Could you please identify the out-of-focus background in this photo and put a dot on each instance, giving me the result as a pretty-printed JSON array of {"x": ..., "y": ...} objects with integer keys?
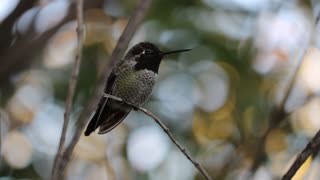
[{"x": 216, "y": 99}]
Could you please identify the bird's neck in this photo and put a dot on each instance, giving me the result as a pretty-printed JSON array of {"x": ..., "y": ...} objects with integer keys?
[{"x": 148, "y": 64}]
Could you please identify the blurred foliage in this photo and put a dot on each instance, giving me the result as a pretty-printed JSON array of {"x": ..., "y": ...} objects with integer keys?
[{"x": 217, "y": 99}]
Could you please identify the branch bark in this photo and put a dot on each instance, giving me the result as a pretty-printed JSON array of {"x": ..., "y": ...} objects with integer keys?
[
  {"x": 167, "y": 131},
  {"x": 72, "y": 87},
  {"x": 312, "y": 147},
  {"x": 116, "y": 55}
]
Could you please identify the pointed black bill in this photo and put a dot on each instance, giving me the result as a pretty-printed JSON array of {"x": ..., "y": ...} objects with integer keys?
[{"x": 175, "y": 51}]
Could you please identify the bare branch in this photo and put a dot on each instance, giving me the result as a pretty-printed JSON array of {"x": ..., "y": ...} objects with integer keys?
[
  {"x": 117, "y": 53},
  {"x": 278, "y": 114},
  {"x": 0, "y": 132},
  {"x": 312, "y": 147},
  {"x": 167, "y": 131},
  {"x": 72, "y": 87}
]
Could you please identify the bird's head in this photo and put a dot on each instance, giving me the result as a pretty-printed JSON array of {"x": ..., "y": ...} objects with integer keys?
[{"x": 148, "y": 55}]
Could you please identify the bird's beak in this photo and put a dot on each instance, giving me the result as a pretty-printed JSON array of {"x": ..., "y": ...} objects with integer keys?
[{"x": 175, "y": 51}]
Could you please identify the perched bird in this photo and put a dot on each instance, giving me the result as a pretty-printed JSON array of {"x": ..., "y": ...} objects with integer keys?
[{"x": 132, "y": 80}]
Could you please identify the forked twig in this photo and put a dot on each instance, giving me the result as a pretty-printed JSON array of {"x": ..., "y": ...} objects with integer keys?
[
  {"x": 167, "y": 131},
  {"x": 72, "y": 87}
]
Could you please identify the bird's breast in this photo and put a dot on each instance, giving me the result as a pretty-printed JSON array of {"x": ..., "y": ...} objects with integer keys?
[{"x": 135, "y": 86}]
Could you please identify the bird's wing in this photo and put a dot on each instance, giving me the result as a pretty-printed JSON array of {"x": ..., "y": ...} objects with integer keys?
[
  {"x": 104, "y": 100},
  {"x": 96, "y": 120},
  {"x": 102, "y": 112},
  {"x": 116, "y": 114},
  {"x": 112, "y": 77},
  {"x": 108, "y": 89}
]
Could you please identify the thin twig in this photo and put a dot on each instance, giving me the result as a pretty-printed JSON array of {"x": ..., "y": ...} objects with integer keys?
[
  {"x": 278, "y": 114},
  {"x": 167, "y": 131},
  {"x": 116, "y": 55},
  {"x": 72, "y": 86},
  {"x": 0, "y": 133},
  {"x": 295, "y": 76},
  {"x": 312, "y": 147}
]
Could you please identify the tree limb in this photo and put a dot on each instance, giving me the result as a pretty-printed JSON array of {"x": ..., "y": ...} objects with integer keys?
[
  {"x": 116, "y": 55},
  {"x": 312, "y": 147},
  {"x": 167, "y": 131},
  {"x": 72, "y": 87}
]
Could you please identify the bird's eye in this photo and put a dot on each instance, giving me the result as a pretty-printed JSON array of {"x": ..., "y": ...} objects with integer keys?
[{"x": 148, "y": 52}]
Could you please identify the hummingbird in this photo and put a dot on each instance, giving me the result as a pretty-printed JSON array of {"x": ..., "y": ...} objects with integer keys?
[{"x": 132, "y": 80}]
